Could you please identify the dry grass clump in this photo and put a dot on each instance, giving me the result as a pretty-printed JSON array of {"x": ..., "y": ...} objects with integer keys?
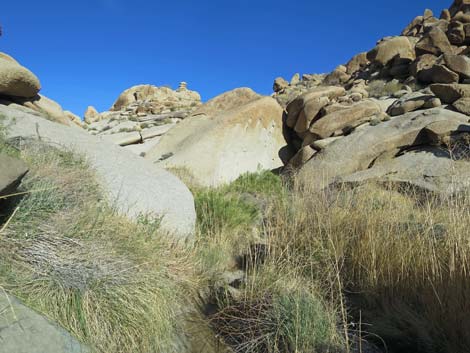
[
  {"x": 117, "y": 285},
  {"x": 398, "y": 263}
]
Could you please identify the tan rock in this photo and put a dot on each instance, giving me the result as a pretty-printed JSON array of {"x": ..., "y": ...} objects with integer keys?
[
  {"x": 16, "y": 80},
  {"x": 327, "y": 125},
  {"x": 280, "y": 84},
  {"x": 48, "y": 108},
  {"x": 459, "y": 64},
  {"x": 295, "y": 79},
  {"x": 434, "y": 42},
  {"x": 295, "y": 107},
  {"x": 217, "y": 149},
  {"x": 357, "y": 63},
  {"x": 358, "y": 150},
  {"x": 449, "y": 93},
  {"x": 228, "y": 100},
  {"x": 309, "y": 112},
  {"x": 302, "y": 157},
  {"x": 390, "y": 49},
  {"x": 91, "y": 115},
  {"x": 462, "y": 105}
]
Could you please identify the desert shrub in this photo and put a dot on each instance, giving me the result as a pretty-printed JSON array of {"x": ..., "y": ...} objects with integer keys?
[{"x": 381, "y": 88}]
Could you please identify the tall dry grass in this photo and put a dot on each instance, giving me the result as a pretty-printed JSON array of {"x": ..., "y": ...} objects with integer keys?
[{"x": 398, "y": 262}]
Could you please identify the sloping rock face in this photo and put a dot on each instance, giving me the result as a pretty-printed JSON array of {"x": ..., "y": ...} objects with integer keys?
[
  {"x": 388, "y": 96},
  {"x": 25, "y": 331},
  {"x": 218, "y": 148},
  {"x": 377, "y": 152},
  {"x": 12, "y": 171},
  {"x": 139, "y": 113},
  {"x": 134, "y": 185}
]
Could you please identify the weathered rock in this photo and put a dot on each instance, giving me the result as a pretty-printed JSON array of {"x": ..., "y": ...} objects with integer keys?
[
  {"x": 462, "y": 105},
  {"x": 133, "y": 185},
  {"x": 156, "y": 131},
  {"x": 449, "y": 93},
  {"x": 456, "y": 33},
  {"x": 73, "y": 118},
  {"x": 219, "y": 148},
  {"x": 123, "y": 138},
  {"x": 25, "y": 331},
  {"x": 429, "y": 169},
  {"x": 148, "y": 99},
  {"x": 279, "y": 84},
  {"x": 358, "y": 150},
  {"x": 357, "y": 63},
  {"x": 295, "y": 107},
  {"x": 48, "y": 108},
  {"x": 228, "y": 100},
  {"x": 295, "y": 79},
  {"x": 16, "y": 80},
  {"x": 301, "y": 157},
  {"x": 339, "y": 120},
  {"x": 310, "y": 110},
  {"x": 438, "y": 74},
  {"x": 409, "y": 103},
  {"x": 321, "y": 144},
  {"x": 12, "y": 171},
  {"x": 459, "y": 64},
  {"x": 390, "y": 49},
  {"x": 419, "y": 68},
  {"x": 337, "y": 77},
  {"x": 91, "y": 115},
  {"x": 434, "y": 42}
]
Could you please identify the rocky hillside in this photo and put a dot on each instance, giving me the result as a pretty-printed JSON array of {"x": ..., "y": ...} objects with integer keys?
[
  {"x": 404, "y": 103},
  {"x": 141, "y": 115}
]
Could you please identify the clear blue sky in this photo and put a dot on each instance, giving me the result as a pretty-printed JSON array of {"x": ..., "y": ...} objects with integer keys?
[{"x": 86, "y": 52}]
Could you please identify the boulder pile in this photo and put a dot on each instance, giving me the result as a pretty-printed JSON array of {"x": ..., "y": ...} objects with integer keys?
[
  {"x": 141, "y": 115},
  {"x": 405, "y": 102}
]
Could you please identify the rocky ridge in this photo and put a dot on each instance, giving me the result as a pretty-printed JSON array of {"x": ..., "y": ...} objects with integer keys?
[
  {"x": 425, "y": 69},
  {"x": 141, "y": 115}
]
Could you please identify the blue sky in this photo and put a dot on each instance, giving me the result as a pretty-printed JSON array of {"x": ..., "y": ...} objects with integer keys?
[{"x": 87, "y": 52}]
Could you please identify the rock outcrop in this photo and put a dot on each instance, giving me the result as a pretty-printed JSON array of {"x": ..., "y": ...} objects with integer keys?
[
  {"x": 219, "y": 146},
  {"x": 374, "y": 126},
  {"x": 132, "y": 184},
  {"x": 141, "y": 115}
]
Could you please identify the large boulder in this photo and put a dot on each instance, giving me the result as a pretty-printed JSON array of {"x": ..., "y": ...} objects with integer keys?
[
  {"x": 133, "y": 184},
  {"x": 358, "y": 151},
  {"x": 228, "y": 100},
  {"x": 12, "y": 171},
  {"x": 428, "y": 168},
  {"x": 449, "y": 93},
  {"x": 216, "y": 149},
  {"x": 296, "y": 108},
  {"x": 16, "y": 80},
  {"x": 395, "y": 47},
  {"x": 338, "y": 120},
  {"x": 434, "y": 42},
  {"x": 22, "y": 330}
]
